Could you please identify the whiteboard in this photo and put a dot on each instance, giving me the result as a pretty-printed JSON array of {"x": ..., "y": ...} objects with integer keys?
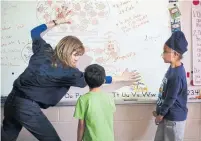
[{"x": 117, "y": 35}]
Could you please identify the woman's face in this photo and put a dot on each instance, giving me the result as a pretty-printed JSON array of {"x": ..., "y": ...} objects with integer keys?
[{"x": 75, "y": 57}]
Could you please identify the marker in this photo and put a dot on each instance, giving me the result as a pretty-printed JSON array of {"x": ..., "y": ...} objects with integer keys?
[{"x": 130, "y": 99}]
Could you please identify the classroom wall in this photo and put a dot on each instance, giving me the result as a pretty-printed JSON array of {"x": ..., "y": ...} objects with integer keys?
[{"x": 131, "y": 123}]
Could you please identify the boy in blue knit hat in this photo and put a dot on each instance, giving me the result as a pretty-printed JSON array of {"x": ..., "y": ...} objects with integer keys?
[{"x": 171, "y": 110}]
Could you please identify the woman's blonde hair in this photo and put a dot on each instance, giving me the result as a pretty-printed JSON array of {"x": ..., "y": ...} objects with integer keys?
[{"x": 64, "y": 50}]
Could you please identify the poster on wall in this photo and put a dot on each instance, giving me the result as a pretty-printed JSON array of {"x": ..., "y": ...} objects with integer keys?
[{"x": 196, "y": 44}]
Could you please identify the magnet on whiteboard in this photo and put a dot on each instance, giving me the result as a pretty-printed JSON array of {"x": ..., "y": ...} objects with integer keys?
[
  {"x": 192, "y": 83},
  {"x": 196, "y": 2},
  {"x": 188, "y": 74}
]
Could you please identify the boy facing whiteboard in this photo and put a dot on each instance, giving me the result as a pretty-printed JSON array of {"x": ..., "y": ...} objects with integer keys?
[{"x": 95, "y": 109}]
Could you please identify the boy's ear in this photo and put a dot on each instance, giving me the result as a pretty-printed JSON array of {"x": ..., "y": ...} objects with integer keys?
[{"x": 175, "y": 53}]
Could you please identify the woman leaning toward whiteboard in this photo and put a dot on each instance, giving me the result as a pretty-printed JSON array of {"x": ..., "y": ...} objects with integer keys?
[{"x": 44, "y": 82}]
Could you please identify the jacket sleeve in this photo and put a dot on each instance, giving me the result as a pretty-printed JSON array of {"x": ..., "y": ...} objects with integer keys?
[
  {"x": 38, "y": 43},
  {"x": 74, "y": 77}
]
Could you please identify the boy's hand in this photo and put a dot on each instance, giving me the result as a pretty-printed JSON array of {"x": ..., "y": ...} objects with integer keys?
[
  {"x": 158, "y": 119},
  {"x": 154, "y": 113}
]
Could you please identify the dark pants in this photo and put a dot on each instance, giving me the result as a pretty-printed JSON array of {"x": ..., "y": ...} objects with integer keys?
[{"x": 21, "y": 112}]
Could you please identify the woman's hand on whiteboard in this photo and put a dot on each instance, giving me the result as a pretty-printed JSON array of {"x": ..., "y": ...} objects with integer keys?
[
  {"x": 62, "y": 16},
  {"x": 133, "y": 76},
  {"x": 127, "y": 76}
]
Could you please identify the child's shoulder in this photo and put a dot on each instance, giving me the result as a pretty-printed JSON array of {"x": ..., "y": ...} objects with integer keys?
[
  {"x": 178, "y": 73},
  {"x": 89, "y": 95},
  {"x": 85, "y": 96},
  {"x": 109, "y": 97},
  {"x": 106, "y": 94}
]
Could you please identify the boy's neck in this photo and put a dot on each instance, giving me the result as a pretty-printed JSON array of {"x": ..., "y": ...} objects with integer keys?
[
  {"x": 95, "y": 89},
  {"x": 176, "y": 64}
]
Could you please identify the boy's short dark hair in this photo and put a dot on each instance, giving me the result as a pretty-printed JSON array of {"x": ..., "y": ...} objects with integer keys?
[{"x": 94, "y": 75}]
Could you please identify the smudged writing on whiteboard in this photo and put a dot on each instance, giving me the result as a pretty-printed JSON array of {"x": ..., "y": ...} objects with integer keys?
[
  {"x": 18, "y": 26},
  {"x": 84, "y": 16},
  {"x": 10, "y": 50}
]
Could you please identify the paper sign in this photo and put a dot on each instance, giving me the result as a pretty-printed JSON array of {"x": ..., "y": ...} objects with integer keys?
[
  {"x": 174, "y": 12},
  {"x": 196, "y": 44},
  {"x": 175, "y": 25}
]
